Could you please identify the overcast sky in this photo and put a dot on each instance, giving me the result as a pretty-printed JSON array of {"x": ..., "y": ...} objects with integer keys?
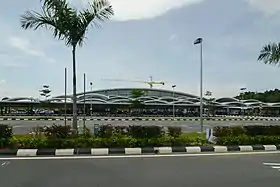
[{"x": 146, "y": 37}]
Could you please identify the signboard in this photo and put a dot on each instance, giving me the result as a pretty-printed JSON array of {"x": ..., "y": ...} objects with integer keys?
[
  {"x": 209, "y": 133},
  {"x": 96, "y": 128},
  {"x": 210, "y": 137}
]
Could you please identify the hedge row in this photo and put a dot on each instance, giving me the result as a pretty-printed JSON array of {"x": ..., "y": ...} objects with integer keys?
[
  {"x": 128, "y": 141},
  {"x": 96, "y": 142},
  {"x": 254, "y": 130},
  {"x": 105, "y": 131},
  {"x": 57, "y": 136},
  {"x": 248, "y": 140}
]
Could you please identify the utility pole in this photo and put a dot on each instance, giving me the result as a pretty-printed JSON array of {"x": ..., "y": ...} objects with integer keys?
[
  {"x": 199, "y": 41},
  {"x": 173, "y": 106},
  {"x": 84, "y": 120},
  {"x": 91, "y": 101},
  {"x": 242, "y": 93},
  {"x": 65, "y": 96}
]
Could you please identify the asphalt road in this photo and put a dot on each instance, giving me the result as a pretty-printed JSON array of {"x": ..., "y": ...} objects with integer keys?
[
  {"x": 205, "y": 171},
  {"x": 22, "y": 127}
]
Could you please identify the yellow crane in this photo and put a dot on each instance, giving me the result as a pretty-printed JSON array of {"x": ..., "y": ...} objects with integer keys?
[{"x": 151, "y": 82}]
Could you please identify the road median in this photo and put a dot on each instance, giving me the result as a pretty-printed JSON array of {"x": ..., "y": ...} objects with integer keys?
[
  {"x": 59, "y": 140},
  {"x": 42, "y": 118}
]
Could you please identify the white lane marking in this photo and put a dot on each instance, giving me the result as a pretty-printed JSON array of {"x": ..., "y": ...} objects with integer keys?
[
  {"x": 137, "y": 156},
  {"x": 273, "y": 165},
  {"x": 4, "y": 164}
]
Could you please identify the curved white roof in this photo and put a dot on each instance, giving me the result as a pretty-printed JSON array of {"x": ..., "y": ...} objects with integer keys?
[{"x": 152, "y": 96}]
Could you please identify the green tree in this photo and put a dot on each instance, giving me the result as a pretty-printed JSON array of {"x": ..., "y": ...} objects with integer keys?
[
  {"x": 269, "y": 96},
  {"x": 68, "y": 24},
  {"x": 270, "y": 54},
  {"x": 136, "y": 102},
  {"x": 45, "y": 91}
]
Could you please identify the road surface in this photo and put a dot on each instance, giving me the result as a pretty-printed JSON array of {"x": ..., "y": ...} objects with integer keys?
[
  {"x": 198, "y": 171},
  {"x": 22, "y": 127}
]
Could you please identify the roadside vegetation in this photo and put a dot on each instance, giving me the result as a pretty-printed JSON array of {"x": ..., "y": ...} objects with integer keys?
[
  {"x": 108, "y": 136},
  {"x": 248, "y": 135},
  {"x": 268, "y": 96},
  {"x": 57, "y": 136}
]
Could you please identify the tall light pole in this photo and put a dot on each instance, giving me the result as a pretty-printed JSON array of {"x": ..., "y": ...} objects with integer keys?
[
  {"x": 65, "y": 96},
  {"x": 84, "y": 120},
  {"x": 173, "y": 107},
  {"x": 242, "y": 90},
  {"x": 199, "y": 41},
  {"x": 208, "y": 94},
  {"x": 91, "y": 101}
]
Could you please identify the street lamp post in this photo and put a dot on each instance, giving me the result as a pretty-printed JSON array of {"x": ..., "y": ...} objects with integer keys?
[
  {"x": 91, "y": 101},
  {"x": 199, "y": 41},
  {"x": 208, "y": 94},
  {"x": 84, "y": 120},
  {"x": 65, "y": 96},
  {"x": 242, "y": 90},
  {"x": 173, "y": 107}
]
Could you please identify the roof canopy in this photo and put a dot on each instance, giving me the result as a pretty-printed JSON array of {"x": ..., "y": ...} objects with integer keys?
[{"x": 151, "y": 96}]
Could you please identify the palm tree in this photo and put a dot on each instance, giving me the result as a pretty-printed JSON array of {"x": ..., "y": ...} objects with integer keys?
[
  {"x": 136, "y": 102},
  {"x": 70, "y": 25},
  {"x": 270, "y": 54}
]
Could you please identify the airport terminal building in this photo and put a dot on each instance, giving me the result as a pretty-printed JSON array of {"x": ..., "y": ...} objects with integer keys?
[{"x": 157, "y": 102}]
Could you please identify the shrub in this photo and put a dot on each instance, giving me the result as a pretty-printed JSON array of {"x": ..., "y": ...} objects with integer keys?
[
  {"x": 135, "y": 131},
  {"x": 262, "y": 130},
  {"x": 255, "y": 130},
  {"x": 6, "y": 131},
  {"x": 138, "y": 131},
  {"x": 228, "y": 131},
  {"x": 105, "y": 131},
  {"x": 121, "y": 130},
  {"x": 249, "y": 140},
  {"x": 29, "y": 141},
  {"x": 85, "y": 132},
  {"x": 4, "y": 142},
  {"x": 58, "y": 131},
  {"x": 37, "y": 131},
  {"x": 174, "y": 131}
]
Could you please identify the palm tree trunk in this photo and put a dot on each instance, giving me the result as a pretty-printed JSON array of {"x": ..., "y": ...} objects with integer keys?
[{"x": 75, "y": 115}]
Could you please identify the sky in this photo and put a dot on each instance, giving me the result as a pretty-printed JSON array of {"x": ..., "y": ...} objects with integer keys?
[{"x": 146, "y": 38}]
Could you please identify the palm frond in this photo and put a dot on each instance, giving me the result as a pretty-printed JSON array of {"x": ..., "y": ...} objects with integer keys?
[
  {"x": 270, "y": 54},
  {"x": 55, "y": 15},
  {"x": 96, "y": 12},
  {"x": 55, "y": 4},
  {"x": 35, "y": 20},
  {"x": 102, "y": 10},
  {"x": 66, "y": 22}
]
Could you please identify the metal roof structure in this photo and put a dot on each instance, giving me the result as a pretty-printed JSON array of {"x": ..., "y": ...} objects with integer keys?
[{"x": 151, "y": 97}]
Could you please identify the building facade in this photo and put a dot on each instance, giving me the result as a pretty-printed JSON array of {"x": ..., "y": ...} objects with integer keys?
[{"x": 154, "y": 102}]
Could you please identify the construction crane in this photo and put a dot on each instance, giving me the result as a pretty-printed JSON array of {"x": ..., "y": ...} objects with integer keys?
[{"x": 151, "y": 82}]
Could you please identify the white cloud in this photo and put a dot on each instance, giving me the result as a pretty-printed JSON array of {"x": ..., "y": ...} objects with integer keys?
[
  {"x": 141, "y": 9},
  {"x": 173, "y": 37},
  {"x": 3, "y": 90},
  {"x": 8, "y": 90},
  {"x": 2, "y": 82},
  {"x": 25, "y": 46},
  {"x": 267, "y": 6}
]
